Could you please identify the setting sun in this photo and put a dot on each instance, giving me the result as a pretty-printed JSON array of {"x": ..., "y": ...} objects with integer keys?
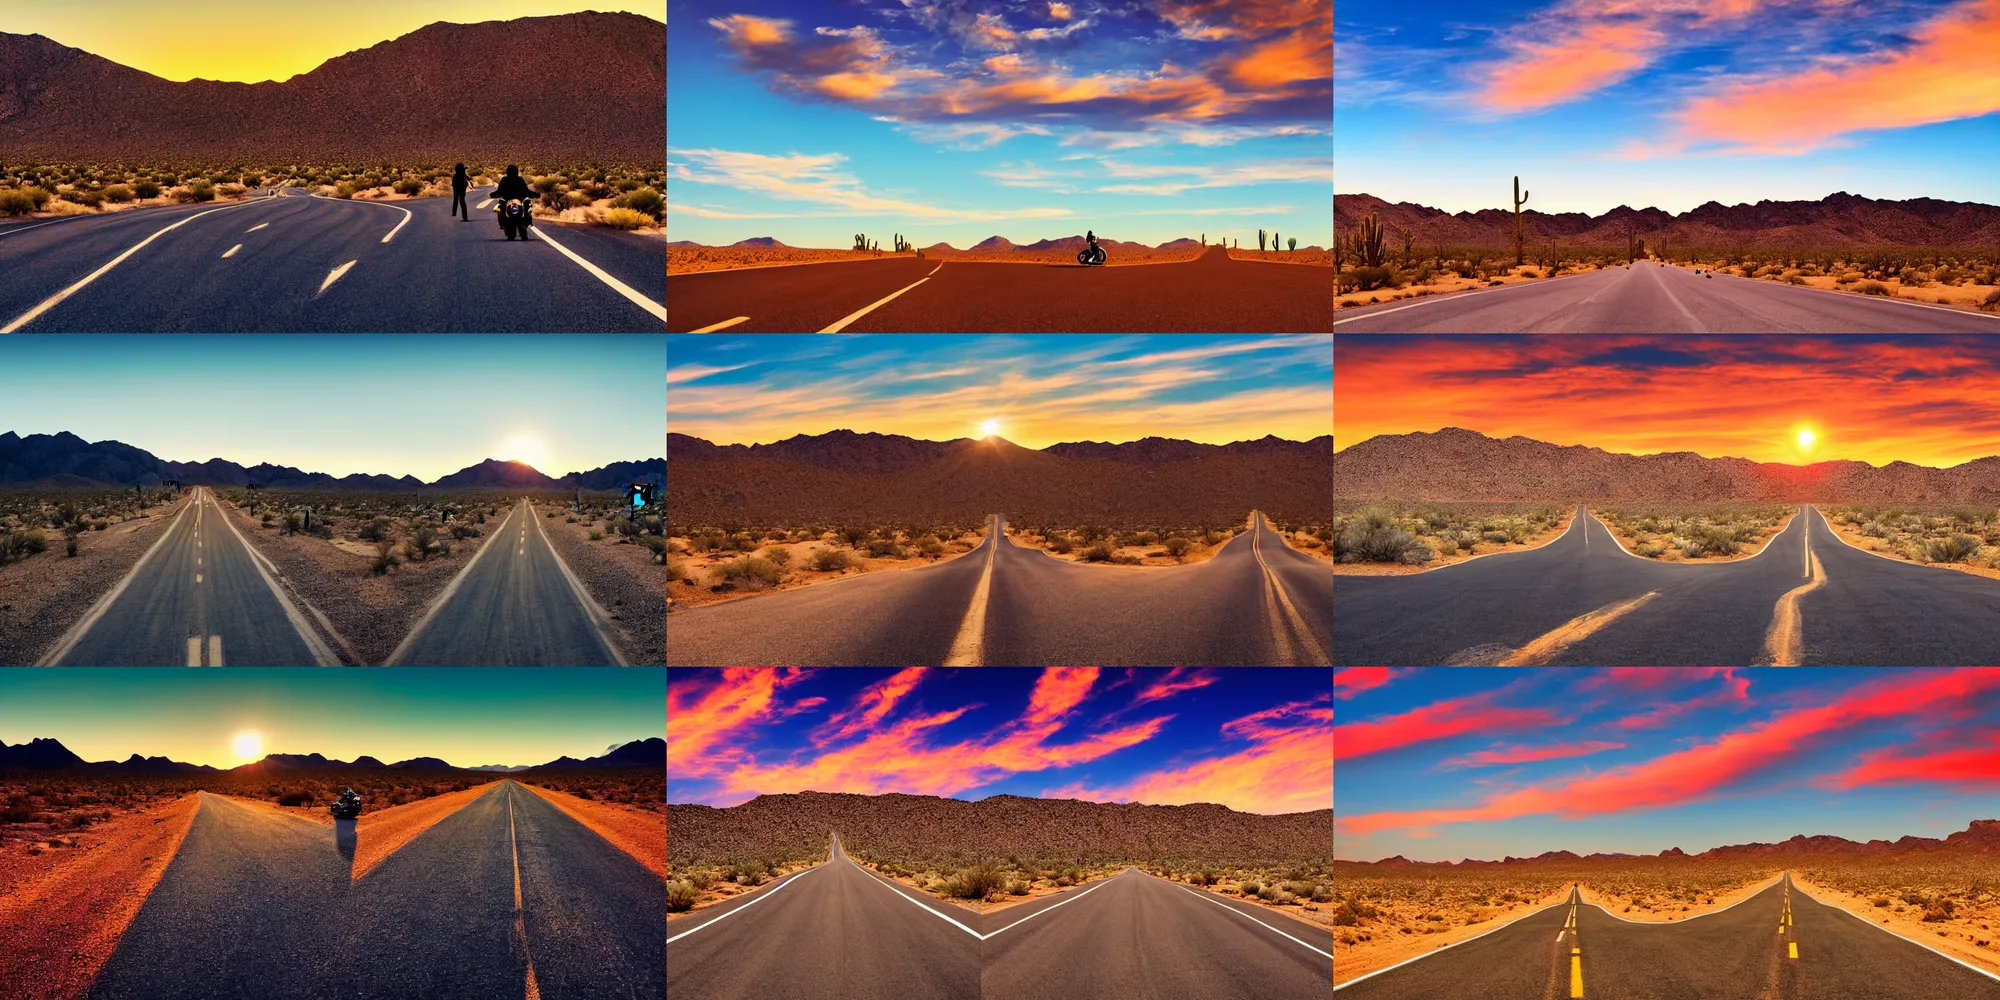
[
  {"x": 249, "y": 745},
  {"x": 1806, "y": 438},
  {"x": 525, "y": 448},
  {"x": 990, "y": 427}
]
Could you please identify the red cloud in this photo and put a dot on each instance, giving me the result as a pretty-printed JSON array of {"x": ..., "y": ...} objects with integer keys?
[
  {"x": 1735, "y": 690},
  {"x": 1177, "y": 680},
  {"x": 1350, "y": 681},
  {"x": 702, "y": 714},
  {"x": 1519, "y": 754},
  {"x": 875, "y": 701},
  {"x": 1437, "y": 721},
  {"x": 1539, "y": 74},
  {"x": 1971, "y": 767},
  {"x": 1287, "y": 767}
]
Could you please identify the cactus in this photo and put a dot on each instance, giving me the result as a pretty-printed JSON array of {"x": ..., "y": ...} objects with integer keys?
[
  {"x": 1204, "y": 239},
  {"x": 1520, "y": 199},
  {"x": 1260, "y": 241},
  {"x": 1274, "y": 240},
  {"x": 1291, "y": 244},
  {"x": 1408, "y": 258},
  {"x": 1366, "y": 243},
  {"x": 860, "y": 241}
]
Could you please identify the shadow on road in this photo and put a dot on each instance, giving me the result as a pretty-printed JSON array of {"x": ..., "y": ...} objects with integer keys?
[{"x": 343, "y": 838}]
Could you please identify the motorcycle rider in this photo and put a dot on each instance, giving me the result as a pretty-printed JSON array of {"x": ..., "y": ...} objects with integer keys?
[{"x": 513, "y": 185}]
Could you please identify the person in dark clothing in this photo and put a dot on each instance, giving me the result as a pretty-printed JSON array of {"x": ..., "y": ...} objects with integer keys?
[
  {"x": 512, "y": 186},
  {"x": 459, "y": 182}
]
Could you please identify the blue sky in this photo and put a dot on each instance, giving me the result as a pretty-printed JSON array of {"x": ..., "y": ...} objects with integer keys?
[
  {"x": 1450, "y": 763},
  {"x": 1666, "y": 103},
  {"x": 1256, "y": 740},
  {"x": 465, "y": 716},
  {"x": 956, "y": 120},
  {"x": 1038, "y": 390},
  {"x": 395, "y": 404}
]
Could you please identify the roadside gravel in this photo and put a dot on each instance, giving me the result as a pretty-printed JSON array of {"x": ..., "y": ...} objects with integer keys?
[{"x": 623, "y": 578}]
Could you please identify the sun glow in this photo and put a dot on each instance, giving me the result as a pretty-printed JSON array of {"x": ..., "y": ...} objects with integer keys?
[
  {"x": 525, "y": 448},
  {"x": 249, "y": 745},
  {"x": 989, "y": 427},
  {"x": 1806, "y": 439}
]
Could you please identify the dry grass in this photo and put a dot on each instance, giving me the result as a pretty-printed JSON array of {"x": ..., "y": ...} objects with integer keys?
[
  {"x": 1966, "y": 539},
  {"x": 706, "y": 566},
  {"x": 1382, "y": 539},
  {"x": 1716, "y": 533}
]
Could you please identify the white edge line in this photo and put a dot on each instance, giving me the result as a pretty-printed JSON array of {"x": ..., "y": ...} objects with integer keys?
[
  {"x": 377, "y": 204},
  {"x": 83, "y": 625},
  {"x": 1561, "y": 902},
  {"x": 1064, "y": 903},
  {"x": 1886, "y": 930},
  {"x": 1453, "y": 295},
  {"x": 774, "y": 891},
  {"x": 314, "y": 644},
  {"x": 1776, "y": 880},
  {"x": 899, "y": 892},
  {"x": 841, "y": 324},
  {"x": 1246, "y": 916},
  {"x": 656, "y": 309},
  {"x": 600, "y": 619},
  {"x": 449, "y": 589}
]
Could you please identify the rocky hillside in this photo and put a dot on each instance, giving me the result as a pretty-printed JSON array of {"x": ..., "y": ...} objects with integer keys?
[
  {"x": 881, "y": 478},
  {"x": 1456, "y": 465},
  {"x": 1838, "y": 220},
  {"x": 1980, "y": 836},
  {"x": 928, "y": 827},
  {"x": 583, "y": 87}
]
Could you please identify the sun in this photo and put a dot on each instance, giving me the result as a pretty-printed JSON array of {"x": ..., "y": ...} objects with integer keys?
[
  {"x": 249, "y": 745},
  {"x": 990, "y": 427},
  {"x": 525, "y": 448},
  {"x": 1806, "y": 438}
]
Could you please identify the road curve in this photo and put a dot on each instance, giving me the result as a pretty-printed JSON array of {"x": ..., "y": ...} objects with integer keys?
[
  {"x": 1257, "y": 602},
  {"x": 1648, "y": 297},
  {"x": 514, "y": 605},
  {"x": 1208, "y": 294},
  {"x": 199, "y": 597}
]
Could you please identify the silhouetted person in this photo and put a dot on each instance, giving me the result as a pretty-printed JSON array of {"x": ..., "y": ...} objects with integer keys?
[
  {"x": 459, "y": 182},
  {"x": 1090, "y": 237},
  {"x": 512, "y": 185}
]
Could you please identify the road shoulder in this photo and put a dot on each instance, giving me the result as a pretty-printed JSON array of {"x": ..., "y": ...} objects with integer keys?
[
  {"x": 1956, "y": 938},
  {"x": 637, "y": 832}
]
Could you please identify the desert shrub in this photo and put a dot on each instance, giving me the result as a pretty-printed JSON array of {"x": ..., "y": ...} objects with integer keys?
[
  {"x": 930, "y": 546},
  {"x": 752, "y": 571},
  {"x": 834, "y": 560},
  {"x": 146, "y": 189},
  {"x": 680, "y": 897},
  {"x": 1847, "y": 278},
  {"x": 1953, "y": 548},
  {"x": 1366, "y": 279},
  {"x": 295, "y": 797},
  {"x": 1991, "y": 301},
  {"x": 17, "y": 201},
  {"x": 975, "y": 882},
  {"x": 645, "y": 200},
  {"x": 1252, "y": 887},
  {"x": 886, "y": 548},
  {"x": 1880, "y": 901},
  {"x": 376, "y": 530},
  {"x": 1017, "y": 888},
  {"x": 385, "y": 556},
  {"x": 1322, "y": 894},
  {"x": 1938, "y": 909},
  {"x": 625, "y": 218},
  {"x": 1059, "y": 543},
  {"x": 676, "y": 570},
  {"x": 118, "y": 193},
  {"x": 1767, "y": 271},
  {"x": 88, "y": 199},
  {"x": 1446, "y": 546},
  {"x": 462, "y": 530},
  {"x": 1873, "y": 288},
  {"x": 1101, "y": 552},
  {"x": 409, "y": 186},
  {"x": 1795, "y": 279},
  {"x": 195, "y": 192},
  {"x": 1178, "y": 548},
  {"x": 1374, "y": 537}
]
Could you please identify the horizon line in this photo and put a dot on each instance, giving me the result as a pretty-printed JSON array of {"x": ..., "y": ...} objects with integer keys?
[
  {"x": 988, "y": 437},
  {"x": 996, "y": 795},
  {"x": 1745, "y": 204},
  {"x": 1646, "y": 454}
]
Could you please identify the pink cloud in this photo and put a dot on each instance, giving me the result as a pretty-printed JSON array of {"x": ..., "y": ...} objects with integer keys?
[
  {"x": 1350, "y": 681},
  {"x": 1286, "y": 767},
  {"x": 1520, "y": 754},
  {"x": 1436, "y": 721}
]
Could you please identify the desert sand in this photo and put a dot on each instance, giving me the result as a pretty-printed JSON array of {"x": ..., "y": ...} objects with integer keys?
[
  {"x": 1967, "y": 296},
  {"x": 1632, "y": 540},
  {"x": 1304, "y": 255},
  {"x": 638, "y": 832},
  {"x": 1646, "y": 907},
  {"x": 694, "y": 592},
  {"x": 1890, "y": 898},
  {"x": 689, "y": 259}
]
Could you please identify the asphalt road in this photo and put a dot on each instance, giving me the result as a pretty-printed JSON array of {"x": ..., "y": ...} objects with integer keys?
[
  {"x": 839, "y": 931},
  {"x": 296, "y": 263},
  {"x": 1654, "y": 298},
  {"x": 1211, "y": 293},
  {"x": 1807, "y": 598},
  {"x": 199, "y": 597},
  {"x": 258, "y": 904},
  {"x": 514, "y": 605},
  {"x": 1777, "y": 945},
  {"x": 1255, "y": 603}
]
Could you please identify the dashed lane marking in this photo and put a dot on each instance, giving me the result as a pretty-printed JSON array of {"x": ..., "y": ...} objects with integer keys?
[
  {"x": 194, "y": 651},
  {"x": 724, "y": 325},
  {"x": 231, "y": 252},
  {"x": 1552, "y": 643},
  {"x": 256, "y": 227},
  {"x": 842, "y": 323},
  {"x": 338, "y": 273},
  {"x": 215, "y": 651}
]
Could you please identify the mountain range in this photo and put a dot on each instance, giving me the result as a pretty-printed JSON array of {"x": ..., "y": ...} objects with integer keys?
[
  {"x": 1838, "y": 220},
  {"x": 584, "y": 87},
  {"x": 43, "y": 754},
  {"x": 64, "y": 460},
  {"x": 1458, "y": 465},
  {"x": 1001, "y": 244},
  {"x": 843, "y": 475},
  {"x": 796, "y": 825},
  {"x": 1981, "y": 836}
]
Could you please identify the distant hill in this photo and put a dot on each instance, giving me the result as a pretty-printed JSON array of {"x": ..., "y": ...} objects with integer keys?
[
  {"x": 584, "y": 87},
  {"x": 877, "y": 478},
  {"x": 927, "y": 826},
  {"x": 650, "y": 752},
  {"x": 758, "y": 241},
  {"x": 493, "y": 472},
  {"x": 1459, "y": 465},
  {"x": 37, "y": 754},
  {"x": 45, "y": 754},
  {"x": 1838, "y": 220},
  {"x": 1981, "y": 836}
]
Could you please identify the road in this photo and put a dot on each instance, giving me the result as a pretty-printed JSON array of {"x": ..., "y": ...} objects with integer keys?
[
  {"x": 1807, "y": 598},
  {"x": 515, "y": 605},
  {"x": 1779, "y": 944},
  {"x": 1211, "y": 293},
  {"x": 201, "y": 596},
  {"x": 1648, "y": 297},
  {"x": 259, "y": 904},
  {"x": 1257, "y": 602},
  {"x": 291, "y": 262},
  {"x": 839, "y": 931}
]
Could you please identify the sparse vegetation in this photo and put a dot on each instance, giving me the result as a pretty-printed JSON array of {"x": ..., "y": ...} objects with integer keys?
[
  {"x": 1683, "y": 533},
  {"x": 1416, "y": 534},
  {"x": 1962, "y": 536}
]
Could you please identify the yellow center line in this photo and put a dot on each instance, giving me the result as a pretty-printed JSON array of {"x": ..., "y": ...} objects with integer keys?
[
  {"x": 1786, "y": 636},
  {"x": 1552, "y": 643}
]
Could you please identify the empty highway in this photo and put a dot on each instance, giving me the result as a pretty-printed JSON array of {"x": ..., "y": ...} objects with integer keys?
[
  {"x": 1807, "y": 598},
  {"x": 1648, "y": 297},
  {"x": 1256, "y": 602},
  {"x": 200, "y": 596},
  {"x": 840, "y": 931},
  {"x": 1779, "y": 944},
  {"x": 515, "y": 605},
  {"x": 909, "y": 294},
  {"x": 259, "y": 904},
  {"x": 290, "y": 262}
]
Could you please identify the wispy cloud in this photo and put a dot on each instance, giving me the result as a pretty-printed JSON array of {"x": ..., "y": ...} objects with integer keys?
[
  {"x": 819, "y": 179},
  {"x": 1284, "y": 766}
]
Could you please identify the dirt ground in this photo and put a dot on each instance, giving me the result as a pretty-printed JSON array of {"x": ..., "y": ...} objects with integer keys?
[
  {"x": 1966, "y": 934},
  {"x": 621, "y": 576},
  {"x": 687, "y": 260},
  {"x": 638, "y": 832},
  {"x": 1440, "y": 285},
  {"x": 1309, "y": 255},
  {"x": 1653, "y": 908},
  {"x": 43, "y": 595},
  {"x": 1852, "y": 535},
  {"x": 798, "y": 572},
  {"x": 1148, "y": 555},
  {"x": 63, "y": 909},
  {"x": 1964, "y": 296},
  {"x": 1037, "y": 889},
  {"x": 1439, "y": 561}
]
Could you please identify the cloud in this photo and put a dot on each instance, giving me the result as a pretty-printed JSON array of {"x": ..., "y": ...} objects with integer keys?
[
  {"x": 1213, "y": 175},
  {"x": 1286, "y": 767},
  {"x": 1350, "y": 681},
  {"x": 1521, "y": 754},
  {"x": 1974, "y": 768},
  {"x": 703, "y": 714},
  {"x": 1174, "y": 682},
  {"x": 1059, "y": 11},
  {"x": 1437, "y": 721},
  {"x": 690, "y": 373},
  {"x": 1538, "y": 74},
  {"x": 869, "y": 706},
  {"x": 818, "y": 179}
]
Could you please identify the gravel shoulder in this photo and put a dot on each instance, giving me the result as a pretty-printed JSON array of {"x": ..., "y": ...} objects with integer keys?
[
  {"x": 43, "y": 595},
  {"x": 637, "y": 832},
  {"x": 621, "y": 577}
]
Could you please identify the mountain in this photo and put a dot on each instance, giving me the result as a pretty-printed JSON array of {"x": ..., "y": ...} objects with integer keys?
[
  {"x": 994, "y": 243},
  {"x": 422, "y": 764},
  {"x": 1838, "y": 220},
  {"x": 1457, "y": 465},
  {"x": 495, "y": 473},
  {"x": 39, "y": 754},
  {"x": 874, "y": 478},
  {"x": 44, "y": 754},
  {"x": 796, "y": 825},
  {"x": 618, "y": 475},
  {"x": 758, "y": 241},
  {"x": 1981, "y": 836},
  {"x": 651, "y": 752},
  {"x": 500, "y": 768},
  {"x": 585, "y": 87}
]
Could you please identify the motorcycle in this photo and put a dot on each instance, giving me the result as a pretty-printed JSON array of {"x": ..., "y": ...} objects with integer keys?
[
  {"x": 347, "y": 806},
  {"x": 516, "y": 215},
  {"x": 1090, "y": 255}
]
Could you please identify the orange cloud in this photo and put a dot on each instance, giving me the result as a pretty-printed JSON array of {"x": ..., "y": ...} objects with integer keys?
[
  {"x": 1303, "y": 55},
  {"x": 1437, "y": 721},
  {"x": 1539, "y": 74},
  {"x": 1976, "y": 767},
  {"x": 1287, "y": 768},
  {"x": 870, "y": 706},
  {"x": 701, "y": 716},
  {"x": 1951, "y": 70}
]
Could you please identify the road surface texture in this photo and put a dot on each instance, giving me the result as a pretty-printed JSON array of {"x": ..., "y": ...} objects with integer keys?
[
  {"x": 1654, "y": 298},
  {"x": 1807, "y": 598},
  {"x": 290, "y": 262},
  {"x": 258, "y": 904},
  {"x": 1256, "y": 602},
  {"x": 839, "y": 931},
  {"x": 201, "y": 596},
  {"x": 1207, "y": 294},
  {"x": 515, "y": 605},
  {"x": 1777, "y": 945}
]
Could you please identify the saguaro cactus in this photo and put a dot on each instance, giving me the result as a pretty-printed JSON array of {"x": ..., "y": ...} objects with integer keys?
[
  {"x": 1520, "y": 199},
  {"x": 1260, "y": 241},
  {"x": 1366, "y": 242},
  {"x": 1274, "y": 240},
  {"x": 860, "y": 241}
]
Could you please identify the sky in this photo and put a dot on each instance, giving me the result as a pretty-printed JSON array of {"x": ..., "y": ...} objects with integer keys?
[
  {"x": 424, "y": 406},
  {"x": 955, "y": 120},
  {"x": 1036, "y": 390},
  {"x": 250, "y": 41},
  {"x": 1875, "y": 399},
  {"x": 1253, "y": 739},
  {"x": 1445, "y": 763},
  {"x": 1666, "y": 103},
  {"x": 463, "y": 715}
]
